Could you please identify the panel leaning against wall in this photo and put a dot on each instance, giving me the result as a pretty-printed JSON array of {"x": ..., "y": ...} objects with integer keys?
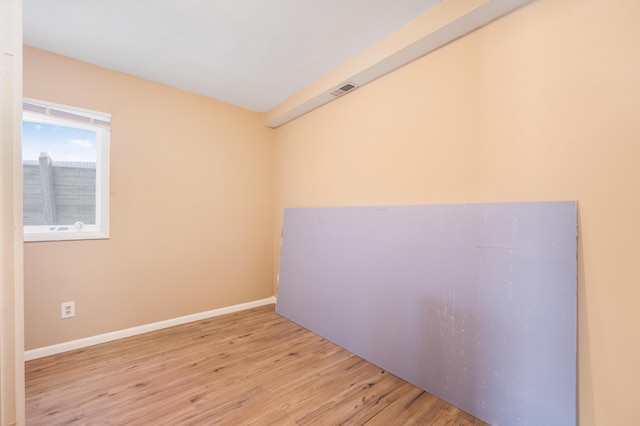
[{"x": 474, "y": 303}]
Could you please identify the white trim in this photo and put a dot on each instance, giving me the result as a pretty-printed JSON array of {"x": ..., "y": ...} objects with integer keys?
[
  {"x": 115, "y": 335},
  {"x": 49, "y": 112}
]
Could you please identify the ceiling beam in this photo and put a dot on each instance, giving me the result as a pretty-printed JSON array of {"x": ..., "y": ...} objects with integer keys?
[{"x": 442, "y": 24}]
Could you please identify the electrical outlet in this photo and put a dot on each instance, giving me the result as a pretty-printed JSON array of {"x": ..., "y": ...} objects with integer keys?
[{"x": 68, "y": 310}]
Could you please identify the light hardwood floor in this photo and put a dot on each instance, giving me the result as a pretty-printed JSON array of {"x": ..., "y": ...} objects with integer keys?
[{"x": 247, "y": 368}]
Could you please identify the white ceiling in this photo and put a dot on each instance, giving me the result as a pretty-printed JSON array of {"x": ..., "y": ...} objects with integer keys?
[{"x": 250, "y": 53}]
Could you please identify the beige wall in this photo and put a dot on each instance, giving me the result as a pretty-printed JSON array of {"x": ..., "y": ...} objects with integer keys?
[
  {"x": 540, "y": 105},
  {"x": 191, "y": 208}
]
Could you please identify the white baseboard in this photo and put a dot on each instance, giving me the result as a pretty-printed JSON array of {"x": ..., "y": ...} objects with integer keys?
[{"x": 115, "y": 335}]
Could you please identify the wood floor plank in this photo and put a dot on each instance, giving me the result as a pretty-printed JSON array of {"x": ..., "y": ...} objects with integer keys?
[{"x": 246, "y": 368}]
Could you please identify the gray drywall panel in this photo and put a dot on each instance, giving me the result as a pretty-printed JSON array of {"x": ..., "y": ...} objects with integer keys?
[{"x": 474, "y": 303}]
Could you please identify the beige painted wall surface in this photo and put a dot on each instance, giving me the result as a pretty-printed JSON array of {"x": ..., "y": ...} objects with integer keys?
[
  {"x": 191, "y": 208},
  {"x": 540, "y": 105}
]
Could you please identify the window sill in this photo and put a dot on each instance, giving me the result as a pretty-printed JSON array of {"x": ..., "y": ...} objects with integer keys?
[{"x": 32, "y": 237}]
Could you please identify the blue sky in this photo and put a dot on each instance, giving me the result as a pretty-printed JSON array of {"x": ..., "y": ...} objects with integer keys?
[{"x": 63, "y": 143}]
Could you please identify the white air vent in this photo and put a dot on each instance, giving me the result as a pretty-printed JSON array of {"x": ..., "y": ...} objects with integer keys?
[{"x": 345, "y": 88}]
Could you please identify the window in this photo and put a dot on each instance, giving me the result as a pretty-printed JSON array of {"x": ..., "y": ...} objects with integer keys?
[{"x": 65, "y": 160}]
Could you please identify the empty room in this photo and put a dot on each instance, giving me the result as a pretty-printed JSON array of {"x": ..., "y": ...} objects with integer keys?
[{"x": 322, "y": 212}]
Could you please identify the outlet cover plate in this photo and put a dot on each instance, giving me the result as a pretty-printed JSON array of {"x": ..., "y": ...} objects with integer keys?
[{"x": 67, "y": 310}]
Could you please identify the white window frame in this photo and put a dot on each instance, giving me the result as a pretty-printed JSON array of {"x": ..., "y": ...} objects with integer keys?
[{"x": 50, "y": 113}]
